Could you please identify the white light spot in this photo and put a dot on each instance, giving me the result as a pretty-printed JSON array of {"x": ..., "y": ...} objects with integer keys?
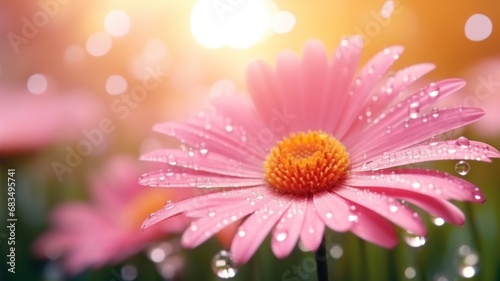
[
  {"x": 37, "y": 84},
  {"x": 117, "y": 23},
  {"x": 157, "y": 255},
  {"x": 98, "y": 44},
  {"x": 237, "y": 24},
  {"x": 74, "y": 54},
  {"x": 283, "y": 22},
  {"x": 410, "y": 272},
  {"x": 116, "y": 84},
  {"x": 478, "y": 27}
]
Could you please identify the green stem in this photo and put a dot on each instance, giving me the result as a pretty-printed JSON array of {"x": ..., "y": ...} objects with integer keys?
[{"x": 321, "y": 261}]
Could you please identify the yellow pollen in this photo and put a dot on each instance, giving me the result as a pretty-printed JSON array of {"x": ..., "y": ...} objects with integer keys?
[{"x": 306, "y": 163}]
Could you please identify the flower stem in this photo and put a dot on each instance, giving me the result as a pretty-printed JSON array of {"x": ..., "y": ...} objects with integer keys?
[{"x": 321, "y": 261}]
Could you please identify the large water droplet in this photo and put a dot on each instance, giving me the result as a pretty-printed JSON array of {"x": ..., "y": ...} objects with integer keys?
[
  {"x": 433, "y": 90},
  {"x": 463, "y": 142},
  {"x": 223, "y": 265},
  {"x": 462, "y": 168},
  {"x": 413, "y": 240}
]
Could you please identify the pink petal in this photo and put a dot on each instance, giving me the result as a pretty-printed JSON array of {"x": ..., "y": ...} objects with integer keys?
[
  {"x": 413, "y": 131},
  {"x": 209, "y": 139},
  {"x": 315, "y": 78},
  {"x": 217, "y": 219},
  {"x": 180, "y": 177},
  {"x": 333, "y": 210},
  {"x": 393, "y": 115},
  {"x": 313, "y": 228},
  {"x": 394, "y": 86},
  {"x": 287, "y": 231},
  {"x": 429, "y": 182},
  {"x": 341, "y": 73},
  {"x": 255, "y": 228},
  {"x": 431, "y": 151},
  {"x": 435, "y": 206},
  {"x": 385, "y": 206},
  {"x": 364, "y": 84},
  {"x": 202, "y": 202},
  {"x": 241, "y": 110},
  {"x": 210, "y": 162},
  {"x": 267, "y": 94},
  {"x": 372, "y": 227}
]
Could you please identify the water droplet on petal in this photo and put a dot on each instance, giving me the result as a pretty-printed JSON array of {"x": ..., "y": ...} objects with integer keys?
[
  {"x": 435, "y": 112},
  {"x": 437, "y": 221},
  {"x": 223, "y": 265},
  {"x": 352, "y": 218},
  {"x": 463, "y": 142},
  {"x": 462, "y": 168},
  {"x": 203, "y": 151},
  {"x": 413, "y": 240},
  {"x": 414, "y": 110},
  {"x": 280, "y": 237},
  {"x": 433, "y": 90},
  {"x": 393, "y": 208},
  {"x": 168, "y": 205},
  {"x": 242, "y": 233},
  {"x": 172, "y": 160},
  {"x": 329, "y": 215}
]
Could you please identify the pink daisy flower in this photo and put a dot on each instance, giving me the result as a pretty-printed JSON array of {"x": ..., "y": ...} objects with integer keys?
[
  {"x": 107, "y": 230},
  {"x": 319, "y": 145}
]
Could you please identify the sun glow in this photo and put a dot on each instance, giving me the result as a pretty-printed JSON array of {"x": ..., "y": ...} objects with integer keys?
[{"x": 234, "y": 23}]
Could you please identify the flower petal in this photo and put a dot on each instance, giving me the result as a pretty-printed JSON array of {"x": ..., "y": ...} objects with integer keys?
[
  {"x": 333, "y": 210},
  {"x": 372, "y": 227},
  {"x": 431, "y": 151},
  {"x": 428, "y": 182},
  {"x": 364, "y": 84},
  {"x": 385, "y": 206},
  {"x": 414, "y": 131},
  {"x": 313, "y": 228},
  {"x": 255, "y": 228},
  {"x": 287, "y": 231}
]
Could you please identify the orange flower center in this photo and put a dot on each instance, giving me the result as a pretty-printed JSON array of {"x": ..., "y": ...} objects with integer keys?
[{"x": 306, "y": 163}]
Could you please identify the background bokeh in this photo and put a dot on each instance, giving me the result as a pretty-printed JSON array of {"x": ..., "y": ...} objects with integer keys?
[{"x": 93, "y": 77}]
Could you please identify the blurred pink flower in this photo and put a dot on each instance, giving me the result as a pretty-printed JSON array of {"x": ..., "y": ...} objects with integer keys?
[
  {"x": 320, "y": 146},
  {"x": 33, "y": 121},
  {"x": 108, "y": 229}
]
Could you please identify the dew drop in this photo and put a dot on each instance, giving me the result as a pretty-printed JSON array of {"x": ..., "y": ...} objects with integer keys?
[
  {"x": 151, "y": 216},
  {"x": 413, "y": 240},
  {"x": 280, "y": 237},
  {"x": 242, "y": 233},
  {"x": 352, "y": 218},
  {"x": 414, "y": 109},
  {"x": 433, "y": 90},
  {"x": 153, "y": 183},
  {"x": 223, "y": 265},
  {"x": 437, "y": 221},
  {"x": 193, "y": 227},
  {"x": 329, "y": 215},
  {"x": 435, "y": 112},
  {"x": 393, "y": 208},
  {"x": 463, "y": 142},
  {"x": 168, "y": 205},
  {"x": 172, "y": 160},
  {"x": 229, "y": 128},
  {"x": 203, "y": 151},
  {"x": 462, "y": 167}
]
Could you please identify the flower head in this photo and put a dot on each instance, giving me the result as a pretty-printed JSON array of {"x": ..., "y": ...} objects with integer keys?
[
  {"x": 318, "y": 145},
  {"x": 108, "y": 229}
]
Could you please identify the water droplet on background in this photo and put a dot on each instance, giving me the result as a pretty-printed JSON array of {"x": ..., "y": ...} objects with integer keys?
[
  {"x": 462, "y": 167},
  {"x": 336, "y": 251},
  {"x": 410, "y": 272},
  {"x": 223, "y": 265}
]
